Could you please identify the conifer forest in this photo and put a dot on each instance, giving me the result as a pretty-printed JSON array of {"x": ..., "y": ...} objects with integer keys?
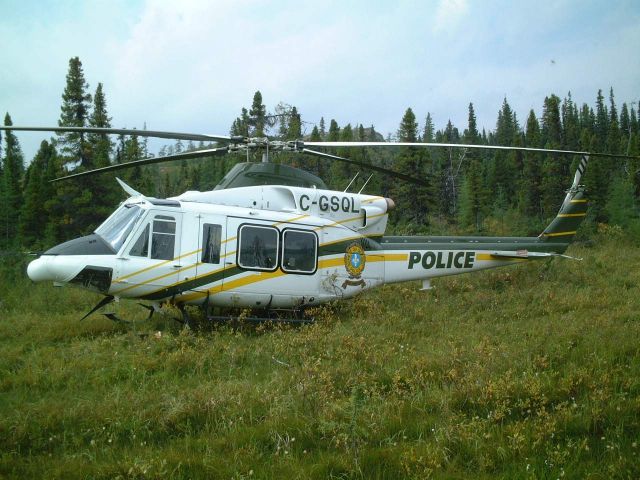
[{"x": 472, "y": 192}]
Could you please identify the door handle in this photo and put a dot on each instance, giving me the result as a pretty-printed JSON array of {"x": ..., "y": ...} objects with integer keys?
[{"x": 176, "y": 266}]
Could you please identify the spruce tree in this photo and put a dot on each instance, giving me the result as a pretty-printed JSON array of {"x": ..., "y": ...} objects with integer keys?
[
  {"x": 570, "y": 124},
  {"x": 334, "y": 131},
  {"x": 429, "y": 129},
  {"x": 634, "y": 125},
  {"x": 12, "y": 173},
  {"x": 340, "y": 173},
  {"x": 601, "y": 123},
  {"x": 554, "y": 168},
  {"x": 315, "y": 134},
  {"x": 77, "y": 200},
  {"x": 258, "y": 115},
  {"x": 503, "y": 173},
  {"x": 74, "y": 113},
  {"x": 625, "y": 121},
  {"x": 415, "y": 201},
  {"x": 107, "y": 193},
  {"x": 473, "y": 196},
  {"x": 294, "y": 126},
  {"x": 334, "y": 177},
  {"x": 530, "y": 194},
  {"x": 317, "y": 165},
  {"x": 37, "y": 192},
  {"x": 613, "y": 135}
]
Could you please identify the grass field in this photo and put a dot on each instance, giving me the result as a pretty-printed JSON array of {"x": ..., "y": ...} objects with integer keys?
[{"x": 531, "y": 371}]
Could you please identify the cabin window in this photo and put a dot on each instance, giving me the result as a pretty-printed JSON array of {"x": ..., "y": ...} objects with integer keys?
[
  {"x": 141, "y": 247},
  {"x": 211, "y": 238},
  {"x": 299, "y": 251},
  {"x": 163, "y": 239},
  {"x": 258, "y": 247}
]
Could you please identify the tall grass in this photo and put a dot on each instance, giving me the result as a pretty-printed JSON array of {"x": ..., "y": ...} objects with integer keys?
[{"x": 529, "y": 372}]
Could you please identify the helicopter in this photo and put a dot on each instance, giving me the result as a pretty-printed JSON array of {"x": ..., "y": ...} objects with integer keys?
[{"x": 274, "y": 239}]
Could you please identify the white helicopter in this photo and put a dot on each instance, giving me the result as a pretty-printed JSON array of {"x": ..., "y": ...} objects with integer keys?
[{"x": 273, "y": 238}]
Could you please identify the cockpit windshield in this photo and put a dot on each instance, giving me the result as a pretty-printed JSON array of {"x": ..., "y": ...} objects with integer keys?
[{"x": 117, "y": 227}]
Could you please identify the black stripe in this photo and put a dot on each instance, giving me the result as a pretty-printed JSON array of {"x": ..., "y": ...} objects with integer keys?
[{"x": 191, "y": 284}]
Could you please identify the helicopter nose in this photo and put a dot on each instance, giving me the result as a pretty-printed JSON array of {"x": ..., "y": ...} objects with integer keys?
[
  {"x": 54, "y": 268},
  {"x": 39, "y": 271}
]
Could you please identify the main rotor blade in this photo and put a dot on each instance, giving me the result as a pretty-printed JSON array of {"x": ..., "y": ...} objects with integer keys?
[
  {"x": 386, "y": 171},
  {"x": 148, "y": 161},
  {"x": 126, "y": 131},
  {"x": 461, "y": 145}
]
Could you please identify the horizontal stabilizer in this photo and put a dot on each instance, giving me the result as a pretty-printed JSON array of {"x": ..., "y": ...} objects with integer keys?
[{"x": 525, "y": 254}]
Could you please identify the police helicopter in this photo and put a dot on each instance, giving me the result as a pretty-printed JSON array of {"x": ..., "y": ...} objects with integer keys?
[{"x": 272, "y": 238}]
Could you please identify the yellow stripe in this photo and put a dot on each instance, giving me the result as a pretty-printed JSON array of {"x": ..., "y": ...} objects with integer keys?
[
  {"x": 263, "y": 276},
  {"x": 240, "y": 282},
  {"x": 146, "y": 282},
  {"x": 488, "y": 256},
  {"x": 558, "y": 234},
  {"x": 331, "y": 262},
  {"x": 358, "y": 237},
  {"x": 294, "y": 219},
  {"x": 160, "y": 264},
  {"x": 369, "y": 200},
  {"x": 348, "y": 220},
  {"x": 394, "y": 257},
  {"x": 156, "y": 265},
  {"x": 569, "y": 215},
  {"x": 582, "y": 200},
  {"x": 188, "y": 267}
]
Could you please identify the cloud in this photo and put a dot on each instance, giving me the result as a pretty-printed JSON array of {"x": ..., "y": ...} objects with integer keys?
[
  {"x": 191, "y": 66},
  {"x": 449, "y": 14}
]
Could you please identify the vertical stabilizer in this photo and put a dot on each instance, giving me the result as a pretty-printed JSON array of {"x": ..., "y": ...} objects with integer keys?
[{"x": 572, "y": 212}]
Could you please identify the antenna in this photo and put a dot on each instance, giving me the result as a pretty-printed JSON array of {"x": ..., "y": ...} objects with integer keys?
[
  {"x": 365, "y": 184},
  {"x": 356, "y": 176}
]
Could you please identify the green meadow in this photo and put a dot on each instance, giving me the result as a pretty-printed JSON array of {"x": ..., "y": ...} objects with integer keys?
[{"x": 531, "y": 371}]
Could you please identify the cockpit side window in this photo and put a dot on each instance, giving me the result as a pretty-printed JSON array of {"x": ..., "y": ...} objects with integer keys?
[
  {"x": 141, "y": 247},
  {"x": 163, "y": 239}
]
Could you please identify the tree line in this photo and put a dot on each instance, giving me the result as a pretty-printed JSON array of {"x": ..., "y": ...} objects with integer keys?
[{"x": 466, "y": 190}]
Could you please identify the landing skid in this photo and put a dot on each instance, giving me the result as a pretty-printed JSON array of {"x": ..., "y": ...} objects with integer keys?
[
  {"x": 112, "y": 316},
  {"x": 230, "y": 319},
  {"x": 217, "y": 315},
  {"x": 295, "y": 316}
]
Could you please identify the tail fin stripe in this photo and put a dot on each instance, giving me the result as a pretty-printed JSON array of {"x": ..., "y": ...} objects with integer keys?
[{"x": 559, "y": 234}]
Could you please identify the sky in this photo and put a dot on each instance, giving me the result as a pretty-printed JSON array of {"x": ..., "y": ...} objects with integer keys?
[{"x": 191, "y": 66}]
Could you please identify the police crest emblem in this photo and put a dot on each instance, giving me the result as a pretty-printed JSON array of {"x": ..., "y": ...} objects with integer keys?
[{"x": 354, "y": 261}]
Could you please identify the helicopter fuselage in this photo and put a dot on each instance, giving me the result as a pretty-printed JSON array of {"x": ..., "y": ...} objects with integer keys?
[{"x": 264, "y": 247}]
